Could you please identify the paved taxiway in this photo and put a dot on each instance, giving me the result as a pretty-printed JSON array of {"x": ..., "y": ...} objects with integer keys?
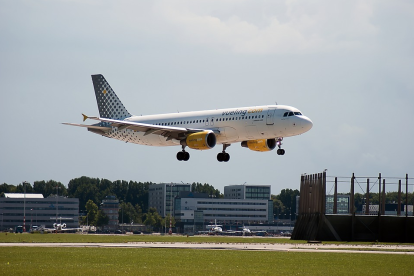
[{"x": 284, "y": 247}]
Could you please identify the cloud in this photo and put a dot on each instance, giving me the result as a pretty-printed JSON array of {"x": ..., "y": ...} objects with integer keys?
[{"x": 295, "y": 27}]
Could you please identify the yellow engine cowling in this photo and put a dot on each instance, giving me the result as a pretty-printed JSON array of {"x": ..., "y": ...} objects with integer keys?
[
  {"x": 200, "y": 140},
  {"x": 260, "y": 144}
]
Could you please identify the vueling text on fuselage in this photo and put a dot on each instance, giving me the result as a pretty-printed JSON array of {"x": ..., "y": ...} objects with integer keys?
[{"x": 241, "y": 112}]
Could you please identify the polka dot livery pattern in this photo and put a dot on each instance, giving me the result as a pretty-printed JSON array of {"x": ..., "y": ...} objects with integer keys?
[{"x": 109, "y": 104}]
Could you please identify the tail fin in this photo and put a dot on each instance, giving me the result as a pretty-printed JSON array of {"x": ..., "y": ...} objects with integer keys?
[{"x": 109, "y": 104}]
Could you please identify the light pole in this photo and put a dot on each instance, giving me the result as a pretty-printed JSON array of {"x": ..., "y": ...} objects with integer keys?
[
  {"x": 24, "y": 207},
  {"x": 171, "y": 205},
  {"x": 57, "y": 194}
]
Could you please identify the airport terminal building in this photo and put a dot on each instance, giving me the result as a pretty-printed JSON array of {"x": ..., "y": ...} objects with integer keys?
[
  {"x": 196, "y": 210},
  {"x": 247, "y": 192},
  {"x": 242, "y": 204},
  {"x": 161, "y": 196},
  {"x": 35, "y": 210}
]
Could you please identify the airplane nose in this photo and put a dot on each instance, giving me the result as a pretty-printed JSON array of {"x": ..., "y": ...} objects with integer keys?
[{"x": 306, "y": 123}]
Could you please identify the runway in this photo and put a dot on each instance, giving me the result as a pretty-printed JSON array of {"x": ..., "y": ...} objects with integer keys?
[{"x": 281, "y": 247}]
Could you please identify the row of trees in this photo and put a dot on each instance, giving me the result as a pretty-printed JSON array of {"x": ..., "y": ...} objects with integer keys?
[{"x": 133, "y": 197}]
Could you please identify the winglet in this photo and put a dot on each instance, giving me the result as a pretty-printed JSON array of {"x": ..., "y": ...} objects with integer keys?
[{"x": 84, "y": 117}]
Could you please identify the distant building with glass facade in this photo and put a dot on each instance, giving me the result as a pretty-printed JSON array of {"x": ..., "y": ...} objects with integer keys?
[
  {"x": 110, "y": 206},
  {"x": 342, "y": 204},
  {"x": 161, "y": 196},
  {"x": 35, "y": 210},
  {"x": 196, "y": 210},
  {"x": 261, "y": 192}
]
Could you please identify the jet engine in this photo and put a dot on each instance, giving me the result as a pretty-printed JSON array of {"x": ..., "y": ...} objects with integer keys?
[
  {"x": 200, "y": 140},
  {"x": 260, "y": 144}
]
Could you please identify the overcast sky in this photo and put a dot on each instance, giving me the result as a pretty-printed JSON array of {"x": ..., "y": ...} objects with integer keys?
[{"x": 347, "y": 65}]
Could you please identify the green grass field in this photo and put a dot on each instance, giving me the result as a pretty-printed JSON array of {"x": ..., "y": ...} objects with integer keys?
[
  {"x": 144, "y": 261},
  {"x": 92, "y": 238},
  {"x": 156, "y": 261}
]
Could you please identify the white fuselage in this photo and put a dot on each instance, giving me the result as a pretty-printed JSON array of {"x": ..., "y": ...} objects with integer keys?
[{"x": 230, "y": 125}]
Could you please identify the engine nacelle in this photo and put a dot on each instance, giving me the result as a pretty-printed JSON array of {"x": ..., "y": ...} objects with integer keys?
[
  {"x": 260, "y": 144},
  {"x": 200, "y": 140}
]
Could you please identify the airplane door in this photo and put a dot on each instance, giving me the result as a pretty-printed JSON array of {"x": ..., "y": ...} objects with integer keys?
[
  {"x": 212, "y": 121},
  {"x": 270, "y": 116},
  {"x": 207, "y": 121}
]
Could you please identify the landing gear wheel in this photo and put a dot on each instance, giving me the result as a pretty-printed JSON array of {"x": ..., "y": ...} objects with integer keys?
[
  {"x": 281, "y": 152},
  {"x": 226, "y": 157},
  {"x": 180, "y": 156},
  {"x": 223, "y": 157},
  {"x": 183, "y": 156}
]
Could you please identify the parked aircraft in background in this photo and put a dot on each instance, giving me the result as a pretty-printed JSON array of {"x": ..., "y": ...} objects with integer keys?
[
  {"x": 258, "y": 128},
  {"x": 215, "y": 229}
]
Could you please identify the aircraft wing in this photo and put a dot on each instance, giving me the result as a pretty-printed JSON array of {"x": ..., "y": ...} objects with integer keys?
[{"x": 170, "y": 132}]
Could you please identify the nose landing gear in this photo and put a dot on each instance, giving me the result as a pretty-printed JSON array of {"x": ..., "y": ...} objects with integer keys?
[
  {"x": 280, "y": 151},
  {"x": 224, "y": 156}
]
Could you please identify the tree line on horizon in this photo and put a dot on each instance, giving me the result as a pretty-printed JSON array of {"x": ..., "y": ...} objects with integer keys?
[
  {"x": 133, "y": 198},
  {"x": 132, "y": 195}
]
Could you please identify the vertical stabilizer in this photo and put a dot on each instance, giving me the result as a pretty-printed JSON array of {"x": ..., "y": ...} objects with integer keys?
[{"x": 109, "y": 104}]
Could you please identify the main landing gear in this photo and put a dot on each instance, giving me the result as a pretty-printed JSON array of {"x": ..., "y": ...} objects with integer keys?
[
  {"x": 280, "y": 151},
  {"x": 224, "y": 156},
  {"x": 183, "y": 155}
]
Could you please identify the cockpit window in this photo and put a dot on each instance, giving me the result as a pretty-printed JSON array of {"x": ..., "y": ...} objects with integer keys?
[
  {"x": 298, "y": 113},
  {"x": 291, "y": 113},
  {"x": 285, "y": 115}
]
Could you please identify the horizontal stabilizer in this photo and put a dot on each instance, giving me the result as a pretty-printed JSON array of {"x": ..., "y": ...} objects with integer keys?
[{"x": 88, "y": 126}]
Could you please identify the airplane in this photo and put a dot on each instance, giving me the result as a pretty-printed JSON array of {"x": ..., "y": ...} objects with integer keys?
[
  {"x": 59, "y": 227},
  {"x": 258, "y": 128},
  {"x": 215, "y": 229},
  {"x": 246, "y": 231}
]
